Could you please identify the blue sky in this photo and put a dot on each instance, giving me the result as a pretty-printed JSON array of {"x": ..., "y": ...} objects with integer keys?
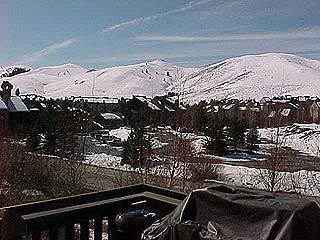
[{"x": 104, "y": 33}]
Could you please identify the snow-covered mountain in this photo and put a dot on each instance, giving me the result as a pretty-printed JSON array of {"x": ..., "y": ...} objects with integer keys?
[
  {"x": 12, "y": 71},
  {"x": 36, "y": 81},
  {"x": 254, "y": 76},
  {"x": 150, "y": 79}
]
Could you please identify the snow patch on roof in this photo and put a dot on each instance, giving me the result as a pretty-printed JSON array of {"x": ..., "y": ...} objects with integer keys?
[
  {"x": 16, "y": 104},
  {"x": 3, "y": 105},
  {"x": 294, "y": 105},
  {"x": 272, "y": 114},
  {"x": 110, "y": 116},
  {"x": 228, "y": 107},
  {"x": 285, "y": 112},
  {"x": 148, "y": 102},
  {"x": 216, "y": 108},
  {"x": 255, "y": 109}
]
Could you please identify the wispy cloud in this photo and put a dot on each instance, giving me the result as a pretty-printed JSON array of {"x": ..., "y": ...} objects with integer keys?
[
  {"x": 135, "y": 21},
  {"x": 142, "y": 57},
  {"x": 32, "y": 57},
  {"x": 298, "y": 34},
  {"x": 211, "y": 51}
]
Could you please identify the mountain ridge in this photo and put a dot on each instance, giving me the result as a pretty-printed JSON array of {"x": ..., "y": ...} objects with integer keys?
[
  {"x": 254, "y": 76},
  {"x": 10, "y": 71},
  {"x": 249, "y": 76},
  {"x": 150, "y": 78}
]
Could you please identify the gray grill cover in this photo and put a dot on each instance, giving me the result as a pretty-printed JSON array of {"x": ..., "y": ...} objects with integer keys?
[{"x": 223, "y": 213}]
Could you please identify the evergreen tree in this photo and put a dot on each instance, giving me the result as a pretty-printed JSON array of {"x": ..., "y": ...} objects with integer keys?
[
  {"x": 68, "y": 146},
  {"x": 130, "y": 151},
  {"x": 50, "y": 142},
  {"x": 252, "y": 139},
  {"x": 33, "y": 141},
  {"x": 137, "y": 149},
  {"x": 200, "y": 118},
  {"x": 216, "y": 144},
  {"x": 211, "y": 133},
  {"x": 236, "y": 133}
]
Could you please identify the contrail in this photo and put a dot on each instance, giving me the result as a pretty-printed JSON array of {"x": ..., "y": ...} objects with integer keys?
[
  {"x": 135, "y": 21},
  {"x": 32, "y": 57}
]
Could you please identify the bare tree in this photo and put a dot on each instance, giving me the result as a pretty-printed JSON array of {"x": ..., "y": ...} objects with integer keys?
[
  {"x": 124, "y": 178},
  {"x": 23, "y": 175},
  {"x": 271, "y": 176},
  {"x": 180, "y": 84},
  {"x": 305, "y": 184},
  {"x": 175, "y": 158}
]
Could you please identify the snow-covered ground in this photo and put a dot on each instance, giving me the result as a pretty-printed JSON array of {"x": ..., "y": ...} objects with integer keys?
[
  {"x": 304, "y": 182},
  {"x": 122, "y": 133},
  {"x": 107, "y": 161},
  {"x": 301, "y": 137},
  {"x": 197, "y": 141}
]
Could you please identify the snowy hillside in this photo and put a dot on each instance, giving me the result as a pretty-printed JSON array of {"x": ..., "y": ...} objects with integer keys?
[
  {"x": 254, "y": 76},
  {"x": 150, "y": 79},
  {"x": 36, "y": 81},
  {"x": 12, "y": 71}
]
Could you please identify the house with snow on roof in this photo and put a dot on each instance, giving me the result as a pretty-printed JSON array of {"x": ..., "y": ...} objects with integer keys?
[
  {"x": 4, "y": 117},
  {"x": 13, "y": 111},
  {"x": 281, "y": 112},
  {"x": 161, "y": 110},
  {"x": 109, "y": 120},
  {"x": 139, "y": 110}
]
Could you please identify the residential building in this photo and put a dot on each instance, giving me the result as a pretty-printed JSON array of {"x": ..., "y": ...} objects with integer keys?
[
  {"x": 315, "y": 111},
  {"x": 13, "y": 111}
]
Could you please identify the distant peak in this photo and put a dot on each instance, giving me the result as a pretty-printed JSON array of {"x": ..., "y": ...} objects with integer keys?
[
  {"x": 275, "y": 55},
  {"x": 15, "y": 66},
  {"x": 158, "y": 61},
  {"x": 68, "y": 65},
  {"x": 11, "y": 71},
  {"x": 61, "y": 65}
]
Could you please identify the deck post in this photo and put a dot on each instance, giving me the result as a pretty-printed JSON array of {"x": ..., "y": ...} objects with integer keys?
[
  {"x": 98, "y": 228},
  {"x": 69, "y": 232},
  {"x": 84, "y": 230},
  {"x": 53, "y": 233},
  {"x": 36, "y": 235}
]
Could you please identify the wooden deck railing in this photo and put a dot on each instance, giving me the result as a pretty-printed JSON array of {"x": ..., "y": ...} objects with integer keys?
[{"x": 54, "y": 216}]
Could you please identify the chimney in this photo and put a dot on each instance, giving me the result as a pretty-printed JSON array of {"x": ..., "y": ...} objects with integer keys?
[{"x": 6, "y": 91}]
